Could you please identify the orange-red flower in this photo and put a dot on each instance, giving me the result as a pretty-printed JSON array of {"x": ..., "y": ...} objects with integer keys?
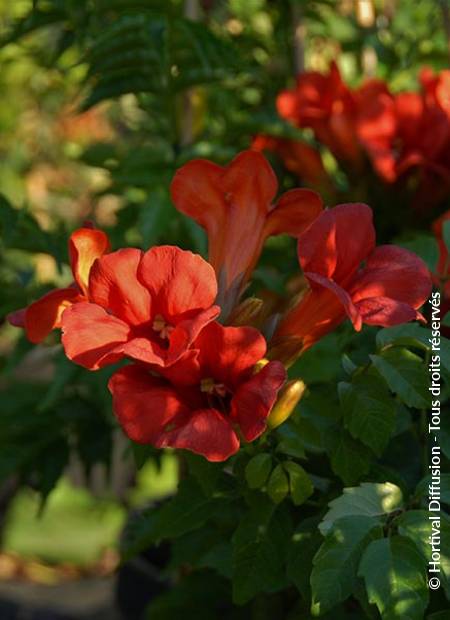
[
  {"x": 206, "y": 400},
  {"x": 234, "y": 204},
  {"x": 42, "y": 316},
  {"x": 325, "y": 104},
  {"x": 147, "y": 306},
  {"x": 388, "y": 289}
]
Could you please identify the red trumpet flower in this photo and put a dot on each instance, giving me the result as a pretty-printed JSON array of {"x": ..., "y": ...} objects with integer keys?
[
  {"x": 386, "y": 290},
  {"x": 234, "y": 205},
  {"x": 205, "y": 401},
  {"x": 327, "y": 106},
  {"x": 148, "y": 306},
  {"x": 42, "y": 316}
]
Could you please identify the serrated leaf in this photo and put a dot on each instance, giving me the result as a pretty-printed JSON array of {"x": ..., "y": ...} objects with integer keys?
[
  {"x": 300, "y": 485},
  {"x": 369, "y": 411},
  {"x": 406, "y": 375},
  {"x": 394, "y": 574},
  {"x": 334, "y": 575},
  {"x": 350, "y": 459},
  {"x": 260, "y": 546},
  {"x": 369, "y": 499},
  {"x": 419, "y": 527},
  {"x": 278, "y": 485},
  {"x": 257, "y": 470}
]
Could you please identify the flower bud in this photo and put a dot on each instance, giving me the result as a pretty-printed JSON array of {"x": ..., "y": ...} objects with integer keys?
[
  {"x": 289, "y": 396},
  {"x": 260, "y": 365},
  {"x": 245, "y": 312}
]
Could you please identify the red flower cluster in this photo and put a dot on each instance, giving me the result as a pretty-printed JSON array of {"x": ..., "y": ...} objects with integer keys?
[
  {"x": 405, "y": 136},
  {"x": 387, "y": 290},
  {"x": 194, "y": 383}
]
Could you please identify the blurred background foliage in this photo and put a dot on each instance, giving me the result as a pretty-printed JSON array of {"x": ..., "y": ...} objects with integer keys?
[{"x": 100, "y": 102}]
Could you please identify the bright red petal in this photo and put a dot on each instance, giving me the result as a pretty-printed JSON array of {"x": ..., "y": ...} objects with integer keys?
[
  {"x": 294, "y": 212},
  {"x": 255, "y": 398},
  {"x": 206, "y": 432},
  {"x": 85, "y": 246},
  {"x": 386, "y": 312},
  {"x": 92, "y": 337},
  {"x": 342, "y": 296},
  {"x": 393, "y": 272},
  {"x": 228, "y": 354},
  {"x": 113, "y": 284},
  {"x": 178, "y": 281},
  {"x": 43, "y": 315},
  {"x": 187, "y": 330},
  {"x": 144, "y": 405},
  {"x": 337, "y": 242}
]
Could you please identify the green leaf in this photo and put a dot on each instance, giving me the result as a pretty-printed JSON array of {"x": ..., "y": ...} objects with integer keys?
[
  {"x": 258, "y": 470},
  {"x": 188, "y": 510},
  {"x": 444, "y": 488},
  {"x": 260, "y": 546},
  {"x": 394, "y": 574},
  {"x": 350, "y": 460},
  {"x": 369, "y": 411},
  {"x": 406, "y": 375},
  {"x": 446, "y": 234},
  {"x": 302, "y": 548},
  {"x": 369, "y": 499},
  {"x": 334, "y": 575},
  {"x": 426, "y": 247},
  {"x": 417, "y": 525},
  {"x": 278, "y": 485},
  {"x": 300, "y": 484}
]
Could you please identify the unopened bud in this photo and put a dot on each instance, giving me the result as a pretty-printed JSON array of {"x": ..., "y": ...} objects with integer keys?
[
  {"x": 260, "y": 365},
  {"x": 289, "y": 397},
  {"x": 245, "y": 312}
]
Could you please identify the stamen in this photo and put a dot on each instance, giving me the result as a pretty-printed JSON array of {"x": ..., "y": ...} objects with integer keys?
[
  {"x": 159, "y": 325},
  {"x": 210, "y": 387}
]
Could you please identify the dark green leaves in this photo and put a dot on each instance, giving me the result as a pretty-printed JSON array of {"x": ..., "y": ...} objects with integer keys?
[
  {"x": 334, "y": 575},
  {"x": 394, "y": 574},
  {"x": 258, "y": 470},
  {"x": 369, "y": 411}
]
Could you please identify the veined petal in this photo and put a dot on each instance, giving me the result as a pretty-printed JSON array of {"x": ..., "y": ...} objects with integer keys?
[
  {"x": 337, "y": 242},
  {"x": 44, "y": 315},
  {"x": 294, "y": 212},
  {"x": 177, "y": 280},
  {"x": 85, "y": 246},
  {"x": 187, "y": 330},
  {"x": 114, "y": 285},
  {"x": 255, "y": 398},
  {"x": 386, "y": 312},
  {"x": 229, "y": 353},
  {"x": 393, "y": 272},
  {"x": 144, "y": 405},
  {"x": 342, "y": 296},
  {"x": 206, "y": 432},
  {"x": 92, "y": 337}
]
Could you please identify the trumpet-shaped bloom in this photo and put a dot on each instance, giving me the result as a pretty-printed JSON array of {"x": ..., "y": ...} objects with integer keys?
[
  {"x": 349, "y": 276},
  {"x": 325, "y": 104},
  {"x": 44, "y": 315},
  {"x": 204, "y": 402},
  {"x": 234, "y": 205},
  {"x": 147, "y": 306}
]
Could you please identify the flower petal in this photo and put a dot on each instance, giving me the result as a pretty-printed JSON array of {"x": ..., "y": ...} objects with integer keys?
[
  {"x": 187, "y": 330},
  {"x": 294, "y": 212},
  {"x": 337, "y": 242},
  {"x": 206, "y": 432},
  {"x": 92, "y": 337},
  {"x": 44, "y": 315},
  {"x": 386, "y": 312},
  {"x": 85, "y": 246},
  {"x": 113, "y": 284},
  {"x": 342, "y": 296},
  {"x": 178, "y": 281},
  {"x": 17, "y": 318},
  {"x": 393, "y": 272},
  {"x": 229, "y": 353},
  {"x": 255, "y": 398},
  {"x": 144, "y": 405}
]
